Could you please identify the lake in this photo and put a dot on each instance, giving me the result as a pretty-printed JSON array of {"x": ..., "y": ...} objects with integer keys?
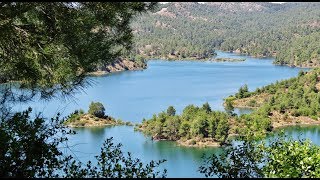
[{"x": 134, "y": 95}]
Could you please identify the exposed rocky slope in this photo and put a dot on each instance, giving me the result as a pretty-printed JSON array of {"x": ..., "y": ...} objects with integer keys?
[{"x": 119, "y": 65}]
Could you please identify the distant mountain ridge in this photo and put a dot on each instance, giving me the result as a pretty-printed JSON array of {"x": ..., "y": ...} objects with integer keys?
[{"x": 189, "y": 29}]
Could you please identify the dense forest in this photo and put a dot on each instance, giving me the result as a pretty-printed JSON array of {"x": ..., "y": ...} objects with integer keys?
[
  {"x": 289, "y": 31},
  {"x": 193, "y": 125},
  {"x": 199, "y": 126}
]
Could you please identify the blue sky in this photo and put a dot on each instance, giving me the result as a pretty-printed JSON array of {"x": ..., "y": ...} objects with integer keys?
[{"x": 204, "y": 2}]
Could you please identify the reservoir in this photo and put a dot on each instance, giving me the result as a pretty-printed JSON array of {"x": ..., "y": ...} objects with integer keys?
[{"x": 134, "y": 95}]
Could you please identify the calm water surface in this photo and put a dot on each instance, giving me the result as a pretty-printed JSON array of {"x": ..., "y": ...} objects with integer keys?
[{"x": 132, "y": 96}]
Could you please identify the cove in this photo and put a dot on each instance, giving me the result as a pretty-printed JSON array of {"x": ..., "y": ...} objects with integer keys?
[{"x": 134, "y": 95}]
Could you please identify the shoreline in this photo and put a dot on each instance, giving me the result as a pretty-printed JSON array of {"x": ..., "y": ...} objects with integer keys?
[
  {"x": 100, "y": 125},
  {"x": 209, "y": 142},
  {"x": 220, "y": 59},
  {"x": 194, "y": 142},
  {"x": 279, "y": 125},
  {"x": 233, "y": 52},
  {"x": 203, "y": 143},
  {"x": 88, "y": 120},
  {"x": 119, "y": 65},
  {"x": 103, "y": 73},
  {"x": 89, "y": 126}
]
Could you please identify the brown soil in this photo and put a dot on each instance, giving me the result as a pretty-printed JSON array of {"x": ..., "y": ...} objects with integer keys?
[
  {"x": 88, "y": 120},
  {"x": 282, "y": 120},
  {"x": 199, "y": 142},
  {"x": 244, "y": 102},
  {"x": 117, "y": 66}
]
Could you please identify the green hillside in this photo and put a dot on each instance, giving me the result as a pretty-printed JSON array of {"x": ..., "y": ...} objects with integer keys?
[{"x": 184, "y": 30}]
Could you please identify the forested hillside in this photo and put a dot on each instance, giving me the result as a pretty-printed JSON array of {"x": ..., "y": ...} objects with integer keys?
[
  {"x": 289, "y": 31},
  {"x": 292, "y": 101},
  {"x": 285, "y": 103}
]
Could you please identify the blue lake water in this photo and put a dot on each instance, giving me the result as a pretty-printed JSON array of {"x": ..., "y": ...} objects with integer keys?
[{"x": 134, "y": 95}]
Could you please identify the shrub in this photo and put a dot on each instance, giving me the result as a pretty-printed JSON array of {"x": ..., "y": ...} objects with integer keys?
[
  {"x": 295, "y": 113},
  {"x": 314, "y": 117},
  {"x": 171, "y": 111},
  {"x": 193, "y": 142},
  {"x": 97, "y": 109},
  {"x": 81, "y": 111},
  {"x": 252, "y": 103}
]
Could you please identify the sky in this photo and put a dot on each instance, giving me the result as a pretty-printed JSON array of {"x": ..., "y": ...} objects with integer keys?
[{"x": 204, "y": 2}]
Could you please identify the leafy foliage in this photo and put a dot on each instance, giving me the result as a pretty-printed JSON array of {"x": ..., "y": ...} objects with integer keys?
[
  {"x": 171, "y": 111},
  {"x": 249, "y": 159},
  {"x": 243, "y": 92},
  {"x": 193, "y": 122},
  {"x": 32, "y": 148},
  {"x": 238, "y": 161},
  {"x": 111, "y": 163},
  {"x": 295, "y": 159},
  {"x": 29, "y": 148},
  {"x": 97, "y": 109},
  {"x": 49, "y": 53}
]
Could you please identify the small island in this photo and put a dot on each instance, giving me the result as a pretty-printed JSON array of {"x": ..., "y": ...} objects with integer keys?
[
  {"x": 195, "y": 127},
  {"x": 95, "y": 117},
  {"x": 228, "y": 59}
]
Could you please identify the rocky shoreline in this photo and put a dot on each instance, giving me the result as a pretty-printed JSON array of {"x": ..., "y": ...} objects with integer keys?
[
  {"x": 118, "y": 66},
  {"x": 228, "y": 59},
  {"x": 88, "y": 120},
  {"x": 200, "y": 59},
  {"x": 208, "y": 142},
  {"x": 193, "y": 142},
  {"x": 278, "y": 120}
]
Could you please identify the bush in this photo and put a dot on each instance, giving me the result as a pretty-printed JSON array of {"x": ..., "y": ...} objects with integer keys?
[
  {"x": 295, "y": 113},
  {"x": 314, "y": 117},
  {"x": 193, "y": 142},
  {"x": 96, "y": 109},
  {"x": 252, "y": 103},
  {"x": 171, "y": 111},
  {"x": 81, "y": 111}
]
